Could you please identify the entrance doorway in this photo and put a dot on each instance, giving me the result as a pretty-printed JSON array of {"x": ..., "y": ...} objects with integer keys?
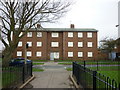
[{"x": 54, "y": 55}]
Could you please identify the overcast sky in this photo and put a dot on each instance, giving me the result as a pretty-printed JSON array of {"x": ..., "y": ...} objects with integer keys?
[{"x": 99, "y": 14}]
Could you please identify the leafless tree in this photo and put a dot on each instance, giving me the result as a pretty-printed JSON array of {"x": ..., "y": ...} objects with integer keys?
[{"x": 25, "y": 15}]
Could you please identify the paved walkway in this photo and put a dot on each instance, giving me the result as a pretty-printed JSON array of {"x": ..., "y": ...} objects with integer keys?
[{"x": 54, "y": 76}]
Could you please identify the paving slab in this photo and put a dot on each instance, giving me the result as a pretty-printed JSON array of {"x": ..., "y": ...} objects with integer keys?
[{"x": 54, "y": 76}]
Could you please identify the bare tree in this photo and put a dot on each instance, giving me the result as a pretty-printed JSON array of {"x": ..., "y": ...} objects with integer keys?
[{"x": 25, "y": 15}]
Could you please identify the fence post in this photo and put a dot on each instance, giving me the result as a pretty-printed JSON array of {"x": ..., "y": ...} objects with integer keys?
[
  {"x": 94, "y": 80},
  {"x": 97, "y": 65},
  {"x": 31, "y": 70},
  {"x": 84, "y": 64},
  {"x": 23, "y": 74}
]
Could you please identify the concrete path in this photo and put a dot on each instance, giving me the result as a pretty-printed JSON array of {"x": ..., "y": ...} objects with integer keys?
[{"x": 54, "y": 76}]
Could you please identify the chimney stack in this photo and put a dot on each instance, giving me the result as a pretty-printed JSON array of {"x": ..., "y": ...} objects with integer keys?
[
  {"x": 72, "y": 26},
  {"x": 38, "y": 26}
]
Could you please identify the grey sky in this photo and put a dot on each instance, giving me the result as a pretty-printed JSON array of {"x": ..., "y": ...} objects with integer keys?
[{"x": 99, "y": 14}]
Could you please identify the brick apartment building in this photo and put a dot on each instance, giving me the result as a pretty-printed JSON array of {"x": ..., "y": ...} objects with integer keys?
[{"x": 59, "y": 43}]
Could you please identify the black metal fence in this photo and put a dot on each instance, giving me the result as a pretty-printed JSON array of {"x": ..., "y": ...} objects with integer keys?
[
  {"x": 92, "y": 79},
  {"x": 14, "y": 76}
]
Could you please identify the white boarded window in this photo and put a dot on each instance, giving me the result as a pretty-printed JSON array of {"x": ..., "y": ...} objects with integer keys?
[
  {"x": 29, "y": 44},
  {"x": 70, "y": 34},
  {"x": 89, "y": 44},
  {"x": 80, "y": 54},
  {"x": 55, "y": 34},
  {"x": 39, "y": 34},
  {"x": 80, "y": 44},
  {"x": 70, "y": 44},
  {"x": 54, "y": 44},
  {"x": 29, "y": 53},
  {"x": 38, "y": 54},
  {"x": 90, "y": 54},
  {"x": 29, "y": 34},
  {"x": 19, "y": 53},
  {"x": 89, "y": 34},
  {"x": 56, "y": 55},
  {"x": 80, "y": 34},
  {"x": 20, "y": 44},
  {"x": 39, "y": 44},
  {"x": 70, "y": 54}
]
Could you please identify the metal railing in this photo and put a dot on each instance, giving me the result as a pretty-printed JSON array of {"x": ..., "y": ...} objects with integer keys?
[
  {"x": 92, "y": 79},
  {"x": 14, "y": 76}
]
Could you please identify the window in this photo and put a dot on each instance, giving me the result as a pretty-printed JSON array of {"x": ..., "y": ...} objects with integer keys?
[
  {"x": 70, "y": 54},
  {"x": 70, "y": 34},
  {"x": 20, "y": 44},
  {"x": 38, "y": 54},
  {"x": 39, "y": 44},
  {"x": 20, "y": 34},
  {"x": 80, "y": 44},
  {"x": 29, "y": 53},
  {"x": 89, "y": 44},
  {"x": 89, "y": 34},
  {"x": 55, "y": 34},
  {"x": 90, "y": 54},
  {"x": 39, "y": 34},
  {"x": 80, "y": 54},
  {"x": 29, "y": 34},
  {"x": 54, "y": 44},
  {"x": 56, "y": 55},
  {"x": 29, "y": 44},
  {"x": 19, "y": 53},
  {"x": 70, "y": 44},
  {"x": 80, "y": 34}
]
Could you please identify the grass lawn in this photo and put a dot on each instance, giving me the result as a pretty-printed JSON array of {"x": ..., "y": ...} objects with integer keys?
[
  {"x": 38, "y": 63},
  {"x": 69, "y": 69},
  {"x": 38, "y": 70}
]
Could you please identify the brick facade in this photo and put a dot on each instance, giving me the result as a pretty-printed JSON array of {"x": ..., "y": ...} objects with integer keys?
[{"x": 60, "y": 52}]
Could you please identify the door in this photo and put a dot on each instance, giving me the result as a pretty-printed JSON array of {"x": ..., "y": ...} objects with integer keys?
[{"x": 52, "y": 56}]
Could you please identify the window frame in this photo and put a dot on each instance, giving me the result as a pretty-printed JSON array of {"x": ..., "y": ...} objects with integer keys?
[
  {"x": 39, "y": 44},
  {"x": 20, "y": 53},
  {"x": 89, "y": 34},
  {"x": 70, "y": 34},
  {"x": 70, "y": 54},
  {"x": 29, "y": 34},
  {"x": 38, "y": 54},
  {"x": 80, "y": 34},
  {"x": 90, "y": 54},
  {"x": 89, "y": 44},
  {"x": 57, "y": 44},
  {"x": 52, "y": 34},
  {"x": 70, "y": 44},
  {"x": 39, "y": 35},
  {"x": 29, "y": 44},
  {"x": 29, "y": 52},
  {"x": 20, "y": 44},
  {"x": 80, "y": 54},
  {"x": 81, "y": 44}
]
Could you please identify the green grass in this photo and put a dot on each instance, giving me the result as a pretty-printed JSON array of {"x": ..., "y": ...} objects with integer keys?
[
  {"x": 69, "y": 69},
  {"x": 38, "y": 70},
  {"x": 111, "y": 74},
  {"x": 38, "y": 63}
]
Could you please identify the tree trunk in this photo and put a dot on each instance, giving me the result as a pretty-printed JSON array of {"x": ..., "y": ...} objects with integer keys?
[{"x": 7, "y": 56}]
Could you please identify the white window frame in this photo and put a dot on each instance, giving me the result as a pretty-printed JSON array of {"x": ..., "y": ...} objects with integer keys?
[
  {"x": 89, "y": 35},
  {"x": 70, "y": 54},
  {"x": 39, "y": 44},
  {"x": 29, "y": 53},
  {"x": 70, "y": 34},
  {"x": 80, "y": 54},
  {"x": 90, "y": 54},
  {"x": 20, "y": 44},
  {"x": 39, "y": 34},
  {"x": 80, "y": 44},
  {"x": 80, "y": 35},
  {"x": 89, "y": 44},
  {"x": 55, "y": 34},
  {"x": 56, "y": 55},
  {"x": 19, "y": 53},
  {"x": 54, "y": 44},
  {"x": 29, "y": 34},
  {"x": 29, "y": 44},
  {"x": 38, "y": 54},
  {"x": 70, "y": 44}
]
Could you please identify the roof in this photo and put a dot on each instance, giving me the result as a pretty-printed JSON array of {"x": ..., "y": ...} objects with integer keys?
[{"x": 66, "y": 29}]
